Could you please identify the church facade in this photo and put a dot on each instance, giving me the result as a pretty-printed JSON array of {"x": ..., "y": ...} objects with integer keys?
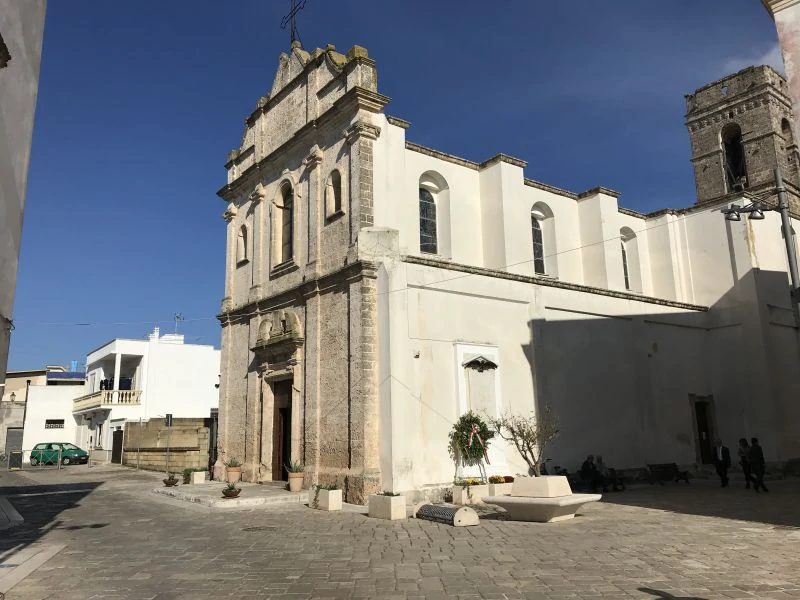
[{"x": 376, "y": 290}]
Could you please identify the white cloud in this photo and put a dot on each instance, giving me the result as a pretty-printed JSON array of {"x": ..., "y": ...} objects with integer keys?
[{"x": 771, "y": 57}]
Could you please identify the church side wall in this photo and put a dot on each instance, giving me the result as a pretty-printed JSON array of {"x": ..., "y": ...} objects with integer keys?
[{"x": 619, "y": 372}]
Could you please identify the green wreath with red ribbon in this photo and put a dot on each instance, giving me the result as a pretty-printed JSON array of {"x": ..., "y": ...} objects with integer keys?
[{"x": 470, "y": 435}]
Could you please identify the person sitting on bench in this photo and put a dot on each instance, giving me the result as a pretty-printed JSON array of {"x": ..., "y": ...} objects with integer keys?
[
  {"x": 590, "y": 474},
  {"x": 609, "y": 475}
]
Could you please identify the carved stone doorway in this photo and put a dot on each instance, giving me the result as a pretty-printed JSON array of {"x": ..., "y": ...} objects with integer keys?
[{"x": 282, "y": 429}]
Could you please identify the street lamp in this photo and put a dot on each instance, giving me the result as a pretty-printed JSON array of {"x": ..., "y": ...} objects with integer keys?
[{"x": 755, "y": 211}]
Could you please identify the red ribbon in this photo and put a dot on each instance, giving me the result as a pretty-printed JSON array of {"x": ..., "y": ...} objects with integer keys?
[{"x": 476, "y": 431}]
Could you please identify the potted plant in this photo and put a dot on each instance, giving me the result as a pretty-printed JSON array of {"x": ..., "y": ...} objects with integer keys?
[
  {"x": 387, "y": 505},
  {"x": 469, "y": 491},
  {"x": 500, "y": 485},
  {"x": 171, "y": 480},
  {"x": 295, "y": 470},
  {"x": 231, "y": 491},
  {"x": 233, "y": 470},
  {"x": 327, "y": 497}
]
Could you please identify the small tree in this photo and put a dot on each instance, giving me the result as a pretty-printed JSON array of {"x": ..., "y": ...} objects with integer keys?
[{"x": 529, "y": 434}]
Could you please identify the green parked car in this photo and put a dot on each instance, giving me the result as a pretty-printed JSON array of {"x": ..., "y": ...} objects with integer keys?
[{"x": 49, "y": 453}]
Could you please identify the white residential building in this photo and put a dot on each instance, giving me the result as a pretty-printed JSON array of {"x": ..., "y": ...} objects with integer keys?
[{"x": 132, "y": 380}]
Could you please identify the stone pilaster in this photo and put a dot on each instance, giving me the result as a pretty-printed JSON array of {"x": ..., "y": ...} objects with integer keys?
[
  {"x": 361, "y": 137},
  {"x": 314, "y": 210},
  {"x": 230, "y": 251},
  {"x": 257, "y": 259},
  {"x": 365, "y": 475}
]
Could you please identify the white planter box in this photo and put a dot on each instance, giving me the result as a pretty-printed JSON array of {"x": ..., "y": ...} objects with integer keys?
[
  {"x": 329, "y": 500},
  {"x": 500, "y": 489},
  {"x": 387, "y": 507},
  {"x": 469, "y": 494},
  {"x": 197, "y": 477}
]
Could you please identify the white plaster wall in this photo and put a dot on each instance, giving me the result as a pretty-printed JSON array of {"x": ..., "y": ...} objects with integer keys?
[
  {"x": 181, "y": 380},
  {"x": 50, "y": 402}
]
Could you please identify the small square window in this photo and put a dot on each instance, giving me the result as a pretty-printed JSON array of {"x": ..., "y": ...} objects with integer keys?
[{"x": 54, "y": 424}]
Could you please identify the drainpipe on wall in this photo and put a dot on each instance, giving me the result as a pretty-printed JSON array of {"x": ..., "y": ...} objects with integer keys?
[{"x": 25, "y": 410}]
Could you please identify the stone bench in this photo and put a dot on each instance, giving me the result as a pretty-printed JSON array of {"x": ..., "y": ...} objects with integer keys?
[
  {"x": 542, "y": 499},
  {"x": 542, "y": 510}
]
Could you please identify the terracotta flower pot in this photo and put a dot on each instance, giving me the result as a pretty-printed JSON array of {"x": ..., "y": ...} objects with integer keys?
[
  {"x": 170, "y": 482},
  {"x": 296, "y": 482},
  {"x": 231, "y": 493},
  {"x": 233, "y": 474}
]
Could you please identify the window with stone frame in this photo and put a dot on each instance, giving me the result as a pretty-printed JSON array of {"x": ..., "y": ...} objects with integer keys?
[
  {"x": 333, "y": 195},
  {"x": 538, "y": 246},
  {"x": 428, "y": 239},
  {"x": 625, "y": 266}
]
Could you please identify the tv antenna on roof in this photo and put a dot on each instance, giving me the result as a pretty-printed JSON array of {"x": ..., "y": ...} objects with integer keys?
[
  {"x": 178, "y": 317},
  {"x": 291, "y": 19}
]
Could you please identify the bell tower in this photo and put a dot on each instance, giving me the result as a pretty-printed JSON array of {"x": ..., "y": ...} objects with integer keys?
[{"x": 741, "y": 130}]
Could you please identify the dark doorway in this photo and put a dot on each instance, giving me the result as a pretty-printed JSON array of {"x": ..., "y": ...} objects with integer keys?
[
  {"x": 14, "y": 447},
  {"x": 704, "y": 430},
  {"x": 282, "y": 432},
  {"x": 116, "y": 446}
]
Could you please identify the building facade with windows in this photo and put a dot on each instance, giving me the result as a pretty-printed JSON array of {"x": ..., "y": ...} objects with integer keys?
[
  {"x": 131, "y": 381},
  {"x": 376, "y": 289}
]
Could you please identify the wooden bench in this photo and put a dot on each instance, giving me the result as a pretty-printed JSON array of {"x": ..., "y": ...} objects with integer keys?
[{"x": 667, "y": 472}]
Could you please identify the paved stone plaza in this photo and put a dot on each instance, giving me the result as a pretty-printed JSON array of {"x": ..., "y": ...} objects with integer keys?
[{"x": 102, "y": 534}]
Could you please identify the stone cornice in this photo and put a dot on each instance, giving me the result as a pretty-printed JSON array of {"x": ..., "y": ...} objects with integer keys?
[
  {"x": 599, "y": 190},
  {"x": 255, "y": 307},
  {"x": 760, "y": 96},
  {"x": 550, "y": 188},
  {"x": 776, "y": 6},
  {"x": 547, "y": 282},
  {"x": 630, "y": 212},
  {"x": 397, "y": 122},
  {"x": 361, "y": 129},
  {"x": 456, "y": 160},
  {"x": 355, "y": 98},
  {"x": 498, "y": 158}
]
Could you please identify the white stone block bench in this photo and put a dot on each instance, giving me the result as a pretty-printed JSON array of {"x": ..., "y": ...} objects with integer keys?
[{"x": 542, "y": 510}]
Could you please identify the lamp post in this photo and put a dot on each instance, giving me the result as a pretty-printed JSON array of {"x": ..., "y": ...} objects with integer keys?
[{"x": 756, "y": 212}]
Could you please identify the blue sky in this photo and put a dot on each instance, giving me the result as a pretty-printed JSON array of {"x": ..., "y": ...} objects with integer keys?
[{"x": 140, "y": 101}]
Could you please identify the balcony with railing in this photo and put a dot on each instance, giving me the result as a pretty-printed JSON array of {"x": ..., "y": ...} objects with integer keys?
[{"x": 107, "y": 399}]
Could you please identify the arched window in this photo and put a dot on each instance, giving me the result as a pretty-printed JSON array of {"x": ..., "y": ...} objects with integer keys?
[
  {"x": 241, "y": 245},
  {"x": 428, "y": 238},
  {"x": 333, "y": 195},
  {"x": 538, "y": 246},
  {"x": 631, "y": 268},
  {"x": 283, "y": 225},
  {"x": 543, "y": 236},
  {"x": 625, "y": 266},
  {"x": 734, "y": 157}
]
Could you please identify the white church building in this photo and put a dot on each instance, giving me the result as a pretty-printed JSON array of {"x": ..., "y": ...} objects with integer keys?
[{"x": 376, "y": 290}]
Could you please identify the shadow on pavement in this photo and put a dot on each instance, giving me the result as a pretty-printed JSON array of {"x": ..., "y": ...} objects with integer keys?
[
  {"x": 778, "y": 507},
  {"x": 40, "y": 505},
  {"x": 668, "y": 596}
]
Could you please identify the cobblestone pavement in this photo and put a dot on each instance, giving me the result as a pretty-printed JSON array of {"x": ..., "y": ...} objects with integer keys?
[{"x": 695, "y": 542}]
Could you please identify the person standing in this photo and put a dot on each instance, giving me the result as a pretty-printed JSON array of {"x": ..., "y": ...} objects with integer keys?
[
  {"x": 722, "y": 461},
  {"x": 744, "y": 461},
  {"x": 757, "y": 464}
]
